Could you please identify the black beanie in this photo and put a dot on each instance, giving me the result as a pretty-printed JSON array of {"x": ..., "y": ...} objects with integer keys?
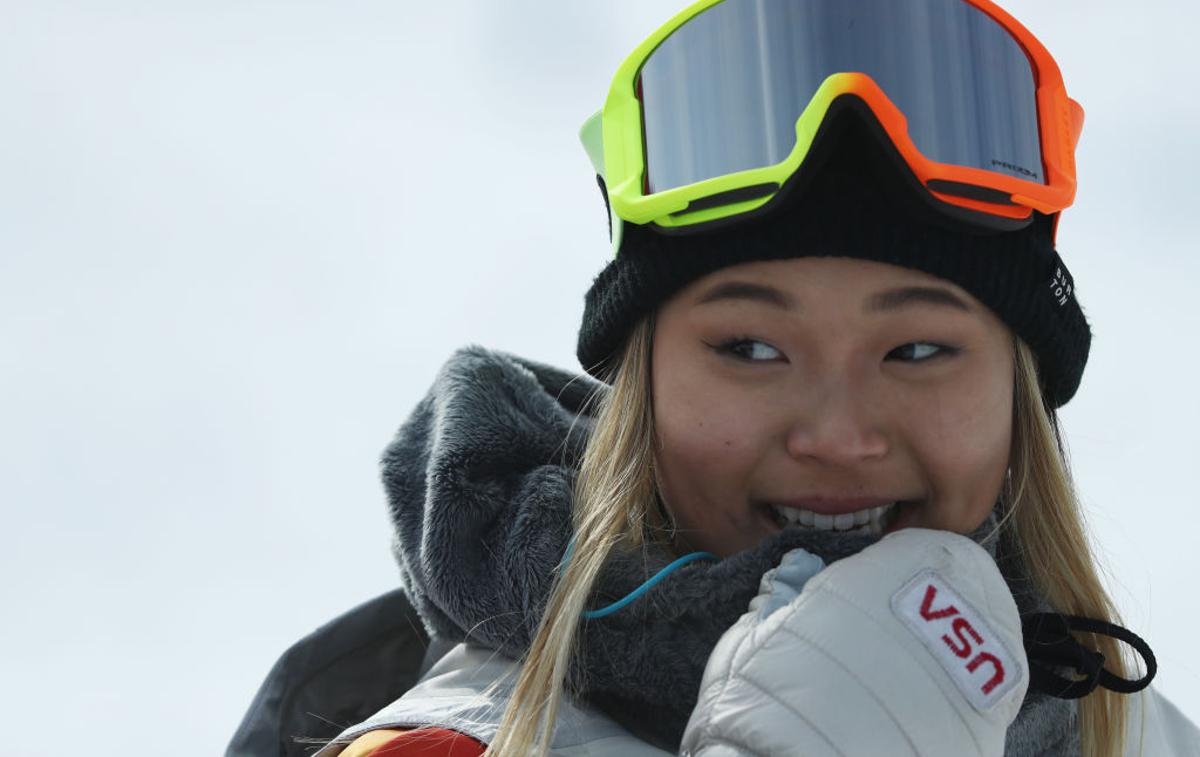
[{"x": 854, "y": 197}]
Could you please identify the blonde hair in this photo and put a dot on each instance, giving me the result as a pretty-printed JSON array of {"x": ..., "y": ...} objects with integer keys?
[{"x": 614, "y": 508}]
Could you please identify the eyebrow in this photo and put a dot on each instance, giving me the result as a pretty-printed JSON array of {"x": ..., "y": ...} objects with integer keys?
[{"x": 880, "y": 302}]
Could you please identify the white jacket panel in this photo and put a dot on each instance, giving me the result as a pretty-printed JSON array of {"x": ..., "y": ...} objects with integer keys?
[
  {"x": 446, "y": 691},
  {"x": 454, "y": 694},
  {"x": 1156, "y": 728}
]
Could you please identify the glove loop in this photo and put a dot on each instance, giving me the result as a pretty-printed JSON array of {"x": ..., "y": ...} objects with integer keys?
[{"x": 1048, "y": 642}]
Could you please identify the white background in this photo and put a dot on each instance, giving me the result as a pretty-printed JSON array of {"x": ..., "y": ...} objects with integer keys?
[{"x": 237, "y": 239}]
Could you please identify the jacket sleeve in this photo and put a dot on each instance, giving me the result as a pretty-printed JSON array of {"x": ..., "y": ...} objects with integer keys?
[
  {"x": 910, "y": 648},
  {"x": 1155, "y": 726},
  {"x": 422, "y": 742},
  {"x": 343, "y": 672}
]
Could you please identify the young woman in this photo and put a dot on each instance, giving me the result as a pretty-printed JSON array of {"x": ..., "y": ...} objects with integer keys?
[{"x": 817, "y": 502}]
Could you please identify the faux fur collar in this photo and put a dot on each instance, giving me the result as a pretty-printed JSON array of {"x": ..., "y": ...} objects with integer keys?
[{"x": 479, "y": 483}]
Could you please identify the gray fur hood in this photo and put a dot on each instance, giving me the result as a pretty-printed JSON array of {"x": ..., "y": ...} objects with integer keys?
[{"x": 479, "y": 482}]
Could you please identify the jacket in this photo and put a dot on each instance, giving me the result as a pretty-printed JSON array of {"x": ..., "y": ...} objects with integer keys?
[
  {"x": 346, "y": 668},
  {"x": 339, "y": 674},
  {"x": 453, "y": 693},
  {"x": 479, "y": 480}
]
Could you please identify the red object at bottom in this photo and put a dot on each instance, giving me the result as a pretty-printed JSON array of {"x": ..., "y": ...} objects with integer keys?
[{"x": 431, "y": 742}]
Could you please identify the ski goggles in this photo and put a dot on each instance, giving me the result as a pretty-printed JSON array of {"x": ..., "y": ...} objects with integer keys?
[{"x": 711, "y": 115}]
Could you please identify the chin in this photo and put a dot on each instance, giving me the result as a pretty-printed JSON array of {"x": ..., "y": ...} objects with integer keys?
[{"x": 917, "y": 518}]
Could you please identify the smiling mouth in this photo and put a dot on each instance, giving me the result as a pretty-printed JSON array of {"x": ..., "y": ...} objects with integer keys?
[{"x": 873, "y": 521}]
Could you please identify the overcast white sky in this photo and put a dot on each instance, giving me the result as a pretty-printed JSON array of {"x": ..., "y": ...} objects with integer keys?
[{"x": 237, "y": 239}]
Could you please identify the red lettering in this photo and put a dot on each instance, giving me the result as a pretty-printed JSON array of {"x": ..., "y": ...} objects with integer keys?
[
  {"x": 996, "y": 678},
  {"x": 927, "y": 603},
  {"x": 960, "y": 625}
]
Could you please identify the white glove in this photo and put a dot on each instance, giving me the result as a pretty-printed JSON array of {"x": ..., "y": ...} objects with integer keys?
[{"x": 911, "y": 647}]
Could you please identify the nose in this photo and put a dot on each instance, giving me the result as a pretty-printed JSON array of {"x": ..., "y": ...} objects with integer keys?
[{"x": 836, "y": 425}]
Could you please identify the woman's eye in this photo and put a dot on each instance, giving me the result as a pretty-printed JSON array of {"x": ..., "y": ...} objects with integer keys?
[
  {"x": 748, "y": 350},
  {"x": 753, "y": 351},
  {"x": 922, "y": 352}
]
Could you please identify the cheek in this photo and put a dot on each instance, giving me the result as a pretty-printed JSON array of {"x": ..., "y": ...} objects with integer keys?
[
  {"x": 711, "y": 440},
  {"x": 709, "y": 418},
  {"x": 964, "y": 446},
  {"x": 709, "y": 437},
  {"x": 706, "y": 462}
]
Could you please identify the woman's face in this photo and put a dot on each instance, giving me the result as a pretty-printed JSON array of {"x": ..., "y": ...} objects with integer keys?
[{"x": 821, "y": 381}]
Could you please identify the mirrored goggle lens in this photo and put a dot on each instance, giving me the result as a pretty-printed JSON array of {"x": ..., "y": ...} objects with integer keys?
[{"x": 722, "y": 94}]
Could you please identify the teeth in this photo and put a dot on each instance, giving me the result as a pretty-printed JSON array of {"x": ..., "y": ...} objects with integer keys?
[{"x": 871, "y": 521}]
